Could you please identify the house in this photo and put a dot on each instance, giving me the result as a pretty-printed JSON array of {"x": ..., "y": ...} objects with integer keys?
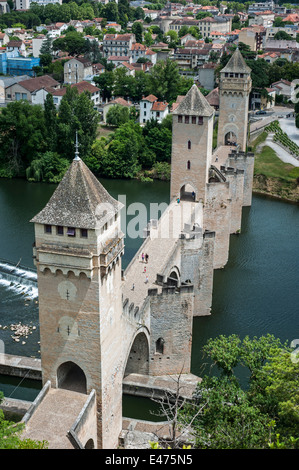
[
  {"x": 16, "y": 46},
  {"x": 5, "y": 82},
  {"x": 37, "y": 43},
  {"x": 191, "y": 58},
  {"x": 206, "y": 75},
  {"x": 31, "y": 90},
  {"x": 262, "y": 18},
  {"x": 151, "y": 108},
  {"x": 289, "y": 29},
  {"x": 159, "y": 110},
  {"x": 213, "y": 98},
  {"x": 129, "y": 68},
  {"x": 259, "y": 100},
  {"x": 77, "y": 69},
  {"x": 4, "y": 38},
  {"x": 283, "y": 88},
  {"x": 207, "y": 25},
  {"x": 81, "y": 87},
  {"x": 177, "y": 24},
  {"x": 4, "y": 7},
  {"x": 253, "y": 36},
  {"x": 117, "y": 44},
  {"x": 138, "y": 51},
  {"x": 117, "y": 60},
  {"x": 116, "y": 101},
  {"x": 145, "y": 108}
]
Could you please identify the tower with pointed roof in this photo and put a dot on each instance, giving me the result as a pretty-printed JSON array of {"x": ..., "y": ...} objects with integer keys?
[
  {"x": 78, "y": 249},
  {"x": 234, "y": 90},
  {"x": 191, "y": 146}
]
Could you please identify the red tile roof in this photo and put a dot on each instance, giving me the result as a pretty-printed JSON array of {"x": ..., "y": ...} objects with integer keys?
[
  {"x": 150, "y": 98},
  {"x": 159, "y": 106}
]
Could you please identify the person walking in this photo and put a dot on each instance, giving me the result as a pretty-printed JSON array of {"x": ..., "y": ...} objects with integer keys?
[
  {"x": 146, "y": 258},
  {"x": 142, "y": 257}
]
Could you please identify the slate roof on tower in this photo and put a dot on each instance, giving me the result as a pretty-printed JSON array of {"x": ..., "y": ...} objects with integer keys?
[
  {"x": 194, "y": 103},
  {"x": 79, "y": 201},
  {"x": 236, "y": 64}
]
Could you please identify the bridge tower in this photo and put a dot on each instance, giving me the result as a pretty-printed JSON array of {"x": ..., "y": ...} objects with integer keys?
[
  {"x": 78, "y": 249},
  {"x": 234, "y": 90},
  {"x": 192, "y": 140}
]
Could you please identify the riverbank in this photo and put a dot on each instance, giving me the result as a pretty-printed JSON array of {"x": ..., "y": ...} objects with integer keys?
[{"x": 272, "y": 176}]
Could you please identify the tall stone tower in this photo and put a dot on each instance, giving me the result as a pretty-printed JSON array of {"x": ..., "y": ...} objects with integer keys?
[
  {"x": 78, "y": 248},
  {"x": 191, "y": 145},
  {"x": 234, "y": 90}
]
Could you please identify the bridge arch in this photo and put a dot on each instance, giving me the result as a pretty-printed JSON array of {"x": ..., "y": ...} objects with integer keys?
[
  {"x": 137, "y": 360},
  {"x": 187, "y": 192},
  {"x": 71, "y": 377}
]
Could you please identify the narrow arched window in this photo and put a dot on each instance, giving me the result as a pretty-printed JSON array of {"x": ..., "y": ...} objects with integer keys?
[
  {"x": 188, "y": 165},
  {"x": 160, "y": 346},
  {"x": 189, "y": 144}
]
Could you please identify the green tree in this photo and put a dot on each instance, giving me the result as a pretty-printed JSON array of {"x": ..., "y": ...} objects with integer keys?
[
  {"x": 11, "y": 435},
  {"x": 137, "y": 29},
  {"x": 22, "y": 135},
  {"x": 117, "y": 115},
  {"x": 163, "y": 80},
  {"x": 49, "y": 168},
  {"x": 50, "y": 115},
  {"x": 76, "y": 113},
  {"x": 122, "y": 155},
  {"x": 267, "y": 404},
  {"x": 73, "y": 43},
  {"x": 106, "y": 83}
]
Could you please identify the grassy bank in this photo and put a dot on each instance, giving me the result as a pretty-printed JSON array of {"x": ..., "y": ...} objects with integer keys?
[{"x": 271, "y": 175}]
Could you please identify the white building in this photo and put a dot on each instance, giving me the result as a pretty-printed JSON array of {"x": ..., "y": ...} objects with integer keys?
[
  {"x": 151, "y": 108},
  {"x": 25, "y": 4}
]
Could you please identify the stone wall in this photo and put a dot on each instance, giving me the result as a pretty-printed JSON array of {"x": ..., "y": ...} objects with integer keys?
[{"x": 171, "y": 323}]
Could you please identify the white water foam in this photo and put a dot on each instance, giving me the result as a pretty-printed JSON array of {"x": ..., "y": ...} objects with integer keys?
[{"x": 27, "y": 291}]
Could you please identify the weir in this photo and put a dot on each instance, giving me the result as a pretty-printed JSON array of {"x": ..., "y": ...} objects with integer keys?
[{"x": 17, "y": 275}]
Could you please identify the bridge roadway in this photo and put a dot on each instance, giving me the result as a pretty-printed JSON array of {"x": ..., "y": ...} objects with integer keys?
[
  {"x": 159, "y": 246},
  {"x": 54, "y": 416}
]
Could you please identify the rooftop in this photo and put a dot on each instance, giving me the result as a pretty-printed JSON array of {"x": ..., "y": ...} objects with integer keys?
[
  {"x": 79, "y": 201},
  {"x": 236, "y": 64},
  {"x": 194, "y": 103}
]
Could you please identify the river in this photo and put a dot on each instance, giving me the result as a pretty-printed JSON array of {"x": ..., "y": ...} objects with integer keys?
[{"x": 256, "y": 293}]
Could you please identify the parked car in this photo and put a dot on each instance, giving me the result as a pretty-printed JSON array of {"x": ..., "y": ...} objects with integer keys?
[{"x": 261, "y": 112}]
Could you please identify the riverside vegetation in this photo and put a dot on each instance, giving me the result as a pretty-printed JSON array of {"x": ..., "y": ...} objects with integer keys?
[{"x": 272, "y": 176}]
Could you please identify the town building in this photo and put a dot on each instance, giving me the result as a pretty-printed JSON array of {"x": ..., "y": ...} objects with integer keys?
[
  {"x": 76, "y": 70},
  {"x": 33, "y": 90},
  {"x": 254, "y": 37},
  {"x": 207, "y": 25},
  {"x": 117, "y": 44},
  {"x": 82, "y": 87},
  {"x": 283, "y": 88}
]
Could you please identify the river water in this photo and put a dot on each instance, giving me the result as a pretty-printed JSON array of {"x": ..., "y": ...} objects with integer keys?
[{"x": 256, "y": 293}]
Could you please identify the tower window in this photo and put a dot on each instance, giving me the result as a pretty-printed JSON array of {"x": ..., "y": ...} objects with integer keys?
[
  {"x": 200, "y": 120},
  {"x": 160, "y": 346},
  {"x": 180, "y": 118},
  {"x": 188, "y": 165},
  {"x": 186, "y": 119},
  {"x": 84, "y": 233},
  {"x": 48, "y": 229},
  {"x": 193, "y": 119},
  {"x": 189, "y": 144},
  {"x": 71, "y": 232},
  {"x": 59, "y": 230}
]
